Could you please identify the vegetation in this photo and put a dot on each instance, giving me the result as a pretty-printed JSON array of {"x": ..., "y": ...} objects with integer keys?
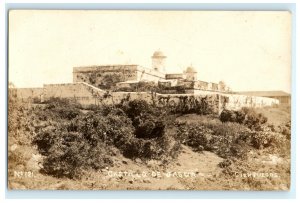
[
  {"x": 223, "y": 139},
  {"x": 246, "y": 116},
  {"x": 20, "y": 133},
  {"x": 74, "y": 141}
]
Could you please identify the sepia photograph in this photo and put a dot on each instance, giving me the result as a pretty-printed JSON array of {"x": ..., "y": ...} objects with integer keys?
[{"x": 149, "y": 100}]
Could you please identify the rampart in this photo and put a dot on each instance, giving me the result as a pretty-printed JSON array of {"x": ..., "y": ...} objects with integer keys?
[{"x": 87, "y": 94}]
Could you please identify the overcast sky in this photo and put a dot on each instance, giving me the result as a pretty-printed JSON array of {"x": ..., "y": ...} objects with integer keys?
[{"x": 247, "y": 50}]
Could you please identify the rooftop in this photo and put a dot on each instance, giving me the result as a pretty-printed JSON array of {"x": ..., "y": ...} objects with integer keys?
[
  {"x": 190, "y": 69},
  {"x": 265, "y": 93},
  {"x": 158, "y": 54}
]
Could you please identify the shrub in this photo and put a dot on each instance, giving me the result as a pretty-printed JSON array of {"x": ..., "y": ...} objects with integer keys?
[
  {"x": 254, "y": 120},
  {"x": 287, "y": 132},
  {"x": 20, "y": 135},
  {"x": 246, "y": 116},
  {"x": 150, "y": 141},
  {"x": 264, "y": 139},
  {"x": 62, "y": 108},
  {"x": 228, "y": 116},
  {"x": 224, "y": 139},
  {"x": 67, "y": 113},
  {"x": 240, "y": 116},
  {"x": 86, "y": 141},
  {"x": 163, "y": 148},
  {"x": 148, "y": 126},
  {"x": 46, "y": 137},
  {"x": 73, "y": 142},
  {"x": 56, "y": 109},
  {"x": 196, "y": 137},
  {"x": 135, "y": 108},
  {"x": 225, "y": 163},
  {"x": 72, "y": 154},
  {"x": 111, "y": 129},
  {"x": 81, "y": 144},
  {"x": 147, "y": 120}
]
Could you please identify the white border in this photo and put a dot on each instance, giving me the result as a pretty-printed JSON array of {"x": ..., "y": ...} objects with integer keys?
[{"x": 3, "y": 90}]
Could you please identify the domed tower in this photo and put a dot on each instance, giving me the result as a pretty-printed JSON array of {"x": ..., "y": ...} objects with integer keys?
[
  {"x": 191, "y": 73},
  {"x": 158, "y": 61}
]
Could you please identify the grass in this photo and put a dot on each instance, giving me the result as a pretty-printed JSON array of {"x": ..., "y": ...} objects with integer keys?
[{"x": 276, "y": 115}]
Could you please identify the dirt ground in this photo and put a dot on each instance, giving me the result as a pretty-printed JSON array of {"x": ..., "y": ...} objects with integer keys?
[
  {"x": 191, "y": 171},
  {"x": 128, "y": 174}
]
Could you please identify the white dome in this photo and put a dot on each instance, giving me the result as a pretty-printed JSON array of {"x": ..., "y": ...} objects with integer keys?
[
  {"x": 158, "y": 54},
  {"x": 191, "y": 69}
]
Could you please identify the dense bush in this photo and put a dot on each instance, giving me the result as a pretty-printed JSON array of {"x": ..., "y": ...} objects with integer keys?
[
  {"x": 62, "y": 108},
  {"x": 163, "y": 148},
  {"x": 254, "y": 120},
  {"x": 285, "y": 129},
  {"x": 147, "y": 120},
  {"x": 136, "y": 108},
  {"x": 151, "y": 140},
  {"x": 228, "y": 116},
  {"x": 70, "y": 154},
  {"x": 223, "y": 139},
  {"x": 82, "y": 143},
  {"x": 246, "y": 116},
  {"x": 267, "y": 138},
  {"x": 196, "y": 137},
  {"x": 148, "y": 126},
  {"x": 230, "y": 139},
  {"x": 73, "y": 141},
  {"x": 86, "y": 140}
]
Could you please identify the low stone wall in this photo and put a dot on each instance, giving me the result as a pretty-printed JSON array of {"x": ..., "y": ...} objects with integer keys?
[
  {"x": 87, "y": 94},
  {"x": 236, "y": 101},
  {"x": 219, "y": 101},
  {"x": 81, "y": 92},
  {"x": 29, "y": 93}
]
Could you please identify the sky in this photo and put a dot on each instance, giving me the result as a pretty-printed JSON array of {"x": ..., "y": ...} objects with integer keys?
[{"x": 248, "y": 50}]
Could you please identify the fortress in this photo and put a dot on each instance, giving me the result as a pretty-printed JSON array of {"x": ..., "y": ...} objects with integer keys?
[
  {"x": 122, "y": 77},
  {"x": 112, "y": 83}
]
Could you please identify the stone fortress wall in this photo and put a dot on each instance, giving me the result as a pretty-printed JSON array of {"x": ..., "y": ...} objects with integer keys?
[
  {"x": 103, "y": 76},
  {"x": 97, "y": 75},
  {"x": 98, "y": 85},
  {"x": 87, "y": 94},
  {"x": 29, "y": 93},
  {"x": 80, "y": 92}
]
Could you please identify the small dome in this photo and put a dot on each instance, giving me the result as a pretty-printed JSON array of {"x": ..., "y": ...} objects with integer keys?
[
  {"x": 158, "y": 54},
  {"x": 191, "y": 69}
]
